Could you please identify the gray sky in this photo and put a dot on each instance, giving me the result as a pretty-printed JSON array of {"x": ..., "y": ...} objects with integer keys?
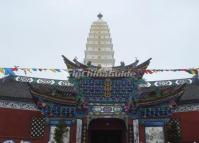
[{"x": 34, "y": 33}]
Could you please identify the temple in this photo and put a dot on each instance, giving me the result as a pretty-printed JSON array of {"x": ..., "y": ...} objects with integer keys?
[{"x": 99, "y": 102}]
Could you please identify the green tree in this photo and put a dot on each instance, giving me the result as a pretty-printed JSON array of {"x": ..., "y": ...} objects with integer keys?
[{"x": 59, "y": 132}]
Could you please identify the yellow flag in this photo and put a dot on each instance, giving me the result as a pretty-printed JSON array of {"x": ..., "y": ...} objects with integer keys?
[
  {"x": 2, "y": 71},
  {"x": 53, "y": 70}
]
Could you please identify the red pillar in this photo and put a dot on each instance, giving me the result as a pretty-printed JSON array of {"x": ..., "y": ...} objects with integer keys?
[
  {"x": 142, "y": 133},
  {"x": 73, "y": 131}
]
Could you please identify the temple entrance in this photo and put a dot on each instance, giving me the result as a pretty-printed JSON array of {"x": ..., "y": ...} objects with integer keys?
[{"x": 107, "y": 131}]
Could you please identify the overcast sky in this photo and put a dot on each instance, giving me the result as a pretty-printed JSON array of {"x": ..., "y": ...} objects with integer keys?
[{"x": 35, "y": 33}]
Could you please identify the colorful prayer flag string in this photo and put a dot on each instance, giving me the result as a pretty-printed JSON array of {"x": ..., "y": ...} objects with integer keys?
[{"x": 11, "y": 71}]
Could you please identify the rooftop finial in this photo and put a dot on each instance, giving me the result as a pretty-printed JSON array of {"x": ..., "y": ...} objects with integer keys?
[{"x": 100, "y": 16}]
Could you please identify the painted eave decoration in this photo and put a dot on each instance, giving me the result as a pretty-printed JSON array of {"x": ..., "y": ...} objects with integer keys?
[{"x": 164, "y": 95}]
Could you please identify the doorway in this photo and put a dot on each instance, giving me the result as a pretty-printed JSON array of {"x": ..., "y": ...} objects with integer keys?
[{"x": 109, "y": 130}]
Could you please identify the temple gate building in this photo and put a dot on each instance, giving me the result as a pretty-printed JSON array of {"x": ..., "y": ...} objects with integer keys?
[{"x": 99, "y": 102}]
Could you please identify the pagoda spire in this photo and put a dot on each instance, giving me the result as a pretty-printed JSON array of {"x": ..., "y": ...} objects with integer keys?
[{"x": 100, "y": 16}]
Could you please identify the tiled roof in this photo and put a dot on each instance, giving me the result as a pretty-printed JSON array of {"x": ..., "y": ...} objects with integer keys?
[{"x": 11, "y": 89}]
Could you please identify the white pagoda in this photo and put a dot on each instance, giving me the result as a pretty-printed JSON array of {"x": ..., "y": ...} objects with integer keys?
[{"x": 99, "y": 47}]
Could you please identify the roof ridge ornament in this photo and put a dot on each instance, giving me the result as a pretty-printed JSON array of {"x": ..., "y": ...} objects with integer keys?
[{"x": 100, "y": 16}]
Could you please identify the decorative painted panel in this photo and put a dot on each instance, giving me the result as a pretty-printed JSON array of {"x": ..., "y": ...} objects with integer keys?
[
  {"x": 107, "y": 109},
  {"x": 18, "y": 105},
  {"x": 154, "y": 112},
  {"x": 136, "y": 131},
  {"x": 79, "y": 131},
  {"x": 167, "y": 82},
  {"x": 154, "y": 134},
  {"x": 106, "y": 90},
  {"x": 57, "y": 110},
  {"x": 67, "y": 83},
  {"x": 187, "y": 108},
  {"x": 42, "y": 81}
]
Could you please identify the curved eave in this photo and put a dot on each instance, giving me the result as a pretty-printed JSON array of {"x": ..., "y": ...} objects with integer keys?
[
  {"x": 77, "y": 64},
  {"x": 69, "y": 64},
  {"x": 156, "y": 101},
  {"x": 80, "y": 65},
  {"x": 50, "y": 98},
  {"x": 144, "y": 65},
  {"x": 132, "y": 65},
  {"x": 175, "y": 94}
]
